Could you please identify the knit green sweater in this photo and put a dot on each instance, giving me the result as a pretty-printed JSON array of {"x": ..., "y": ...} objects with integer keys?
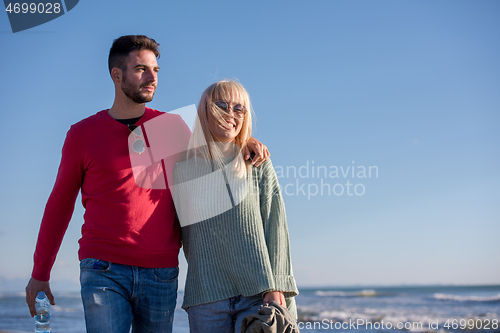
[{"x": 237, "y": 241}]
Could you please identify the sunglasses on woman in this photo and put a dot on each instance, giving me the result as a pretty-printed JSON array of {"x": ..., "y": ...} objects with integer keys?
[{"x": 239, "y": 110}]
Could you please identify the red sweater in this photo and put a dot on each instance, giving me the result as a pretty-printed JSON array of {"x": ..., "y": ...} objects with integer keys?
[{"x": 123, "y": 222}]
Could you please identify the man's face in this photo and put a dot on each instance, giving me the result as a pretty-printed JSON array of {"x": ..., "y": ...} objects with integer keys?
[{"x": 141, "y": 76}]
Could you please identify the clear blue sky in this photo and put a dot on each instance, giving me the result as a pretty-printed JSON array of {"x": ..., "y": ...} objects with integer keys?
[{"x": 409, "y": 87}]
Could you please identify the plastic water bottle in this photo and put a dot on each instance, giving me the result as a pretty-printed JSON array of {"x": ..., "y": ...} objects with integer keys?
[{"x": 42, "y": 318}]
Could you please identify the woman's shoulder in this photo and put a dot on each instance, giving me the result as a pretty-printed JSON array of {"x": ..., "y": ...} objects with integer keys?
[
  {"x": 181, "y": 169},
  {"x": 266, "y": 169},
  {"x": 266, "y": 165},
  {"x": 191, "y": 168}
]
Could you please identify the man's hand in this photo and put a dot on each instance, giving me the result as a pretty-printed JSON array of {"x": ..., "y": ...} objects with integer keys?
[
  {"x": 260, "y": 150},
  {"x": 33, "y": 287},
  {"x": 274, "y": 296}
]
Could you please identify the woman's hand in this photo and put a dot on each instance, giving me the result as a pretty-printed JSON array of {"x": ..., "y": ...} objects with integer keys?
[
  {"x": 274, "y": 296},
  {"x": 261, "y": 152}
]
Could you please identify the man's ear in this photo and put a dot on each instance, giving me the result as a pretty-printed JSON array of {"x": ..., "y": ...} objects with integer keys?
[{"x": 116, "y": 74}]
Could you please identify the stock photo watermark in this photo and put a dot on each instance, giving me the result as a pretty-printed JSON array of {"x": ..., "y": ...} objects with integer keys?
[
  {"x": 25, "y": 15},
  {"x": 153, "y": 164},
  {"x": 430, "y": 324},
  {"x": 311, "y": 180}
]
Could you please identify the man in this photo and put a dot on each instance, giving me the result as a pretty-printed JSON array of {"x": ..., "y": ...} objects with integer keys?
[{"x": 130, "y": 238}]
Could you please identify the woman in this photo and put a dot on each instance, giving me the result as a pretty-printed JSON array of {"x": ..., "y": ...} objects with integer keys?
[{"x": 234, "y": 229}]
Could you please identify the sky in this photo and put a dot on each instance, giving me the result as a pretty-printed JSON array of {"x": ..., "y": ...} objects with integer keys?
[{"x": 381, "y": 117}]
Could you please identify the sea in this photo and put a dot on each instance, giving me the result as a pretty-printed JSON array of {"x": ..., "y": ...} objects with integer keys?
[{"x": 406, "y": 309}]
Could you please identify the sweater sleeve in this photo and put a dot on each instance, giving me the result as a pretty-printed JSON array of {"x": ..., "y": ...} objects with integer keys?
[
  {"x": 58, "y": 210},
  {"x": 276, "y": 230},
  {"x": 177, "y": 179}
]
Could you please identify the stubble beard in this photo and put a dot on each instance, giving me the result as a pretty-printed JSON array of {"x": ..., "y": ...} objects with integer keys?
[{"x": 134, "y": 94}]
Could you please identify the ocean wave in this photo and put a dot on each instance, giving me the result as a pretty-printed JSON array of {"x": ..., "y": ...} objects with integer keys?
[
  {"x": 57, "y": 308},
  {"x": 392, "y": 316},
  {"x": 5, "y": 294},
  {"x": 360, "y": 293},
  {"x": 447, "y": 297}
]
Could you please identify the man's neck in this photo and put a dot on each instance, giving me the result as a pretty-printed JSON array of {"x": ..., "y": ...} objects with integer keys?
[{"x": 126, "y": 110}]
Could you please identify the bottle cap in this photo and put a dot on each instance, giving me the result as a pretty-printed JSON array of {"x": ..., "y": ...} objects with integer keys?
[{"x": 41, "y": 294}]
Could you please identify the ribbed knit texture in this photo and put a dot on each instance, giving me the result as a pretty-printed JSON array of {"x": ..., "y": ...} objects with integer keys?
[{"x": 242, "y": 251}]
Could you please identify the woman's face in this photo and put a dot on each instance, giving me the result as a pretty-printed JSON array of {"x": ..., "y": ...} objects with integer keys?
[{"x": 225, "y": 132}]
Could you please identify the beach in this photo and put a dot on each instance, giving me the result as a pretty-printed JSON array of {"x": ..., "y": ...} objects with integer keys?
[{"x": 361, "y": 309}]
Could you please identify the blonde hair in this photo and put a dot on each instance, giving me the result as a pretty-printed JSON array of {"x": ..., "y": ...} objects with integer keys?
[{"x": 203, "y": 140}]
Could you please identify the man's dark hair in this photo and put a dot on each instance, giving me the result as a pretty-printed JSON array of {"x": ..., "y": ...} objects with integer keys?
[{"x": 124, "y": 45}]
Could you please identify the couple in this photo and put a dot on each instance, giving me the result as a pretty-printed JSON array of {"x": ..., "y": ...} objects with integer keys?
[{"x": 238, "y": 258}]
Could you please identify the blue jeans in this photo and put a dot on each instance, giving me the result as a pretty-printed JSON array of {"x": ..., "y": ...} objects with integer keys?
[
  {"x": 117, "y": 296},
  {"x": 222, "y": 316}
]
